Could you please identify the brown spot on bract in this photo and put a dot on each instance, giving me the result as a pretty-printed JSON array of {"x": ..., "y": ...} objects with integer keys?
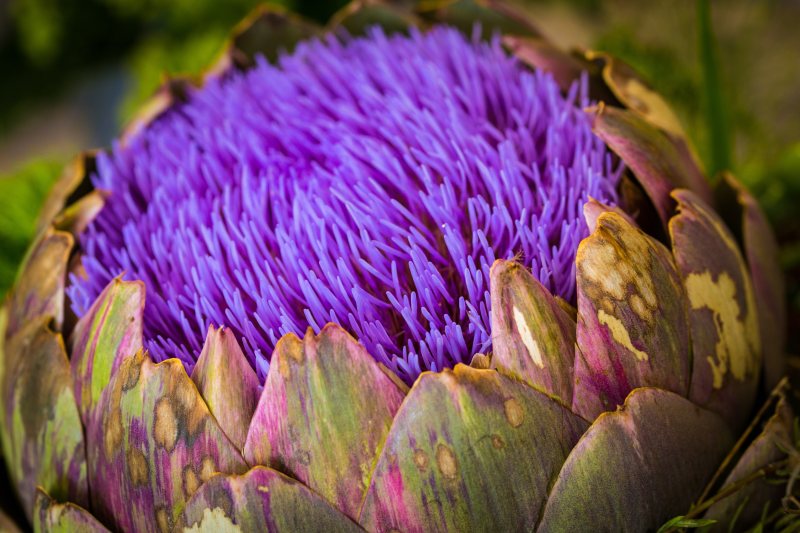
[
  {"x": 297, "y": 352},
  {"x": 207, "y": 468},
  {"x": 190, "y": 408},
  {"x": 86, "y": 397},
  {"x": 283, "y": 368},
  {"x": 185, "y": 394},
  {"x": 163, "y": 520},
  {"x": 131, "y": 372},
  {"x": 112, "y": 432},
  {"x": 421, "y": 460},
  {"x": 447, "y": 462},
  {"x": 497, "y": 442},
  {"x": 190, "y": 481},
  {"x": 138, "y": 469},
  {"x": 514, "y": 412},
  {"x": 289, "y": 351},
  {"x": 222, "y": 500},
  {"x": 165, "y": 427}
]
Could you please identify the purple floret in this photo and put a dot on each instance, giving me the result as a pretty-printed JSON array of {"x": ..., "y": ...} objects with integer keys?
[{"x": 369, "y": 182}]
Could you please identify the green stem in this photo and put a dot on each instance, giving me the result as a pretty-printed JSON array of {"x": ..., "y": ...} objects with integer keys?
[{"x": 718, "y": 134}]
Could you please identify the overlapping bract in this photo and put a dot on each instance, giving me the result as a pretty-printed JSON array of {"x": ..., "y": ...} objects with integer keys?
[{"x": 598, "y": 415}]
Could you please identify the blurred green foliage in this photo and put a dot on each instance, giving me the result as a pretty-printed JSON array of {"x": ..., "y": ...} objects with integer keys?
[
  {"x": 183, "y": 36},
  {"x": 21, "y": 196},
  {"x": 162, "y": 56},
  {"x": 47, "y": 44},
  {"x": 189, "y": 36},
  {"x": 664, "y": 68}
]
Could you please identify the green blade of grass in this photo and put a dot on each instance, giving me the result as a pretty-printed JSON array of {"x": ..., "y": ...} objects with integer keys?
[{"x": 718, "y": 132}]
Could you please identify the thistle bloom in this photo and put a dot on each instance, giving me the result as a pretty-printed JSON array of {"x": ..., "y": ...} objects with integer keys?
[
  {"x": 414, "y": 281},
  {"x": 370, "y": 182}
]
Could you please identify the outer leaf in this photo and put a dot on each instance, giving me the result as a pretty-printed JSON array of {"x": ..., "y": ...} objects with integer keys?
[
  {"x": 635, "y": 93},
  {"x": 636, "y": 468},
  {"x": 39, "y": 290},
  {"x": 228, "y": 383},
  {"x": 659, "y": 165},
  {"x": 261, "y": 500},
  {"x": 50, "y": 516},
  {"x": 532, "y": 337},
  {"x": 493, "y": 16},
  {"x": 593, "y": 209},
  {"x": 632, "y": 321},
  {"x": 542, "y": 54},
  {"x": 324, "y": 413},
  {"x": 266, "y": 31},
  {"x": 109, "y": 332},
  {"x": 172, "y": 91},
  {"x": 357, "y": 16},
  {"x": 747, "y": 220},
  {"x": 722, "y": 310},
  {"x": 469, "y": 450},
  {"x": 43, "y": 437},
  {"x": 76, "y": 217},
  {"x": 565, "y": 67},
  {"x": 767, "y": 448},
  {"x": 154, "y": 445},
  {"x": 71, "y": 186}
]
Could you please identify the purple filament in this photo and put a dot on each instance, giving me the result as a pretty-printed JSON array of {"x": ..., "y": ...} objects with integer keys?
[{"x": 369, "y": 182}]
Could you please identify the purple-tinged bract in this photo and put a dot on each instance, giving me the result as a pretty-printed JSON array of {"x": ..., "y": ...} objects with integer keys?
[{"x": 369, "y": 182}]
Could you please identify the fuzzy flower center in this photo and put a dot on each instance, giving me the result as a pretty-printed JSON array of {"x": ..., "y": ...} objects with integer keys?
[{"x": 370, "y": 182}]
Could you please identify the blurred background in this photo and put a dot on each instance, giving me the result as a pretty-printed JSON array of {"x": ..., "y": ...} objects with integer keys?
[{"x": 74, "y": 71}]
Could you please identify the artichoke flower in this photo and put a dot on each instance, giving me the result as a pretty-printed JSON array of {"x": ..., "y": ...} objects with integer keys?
[{"x": 419, "y": 275}]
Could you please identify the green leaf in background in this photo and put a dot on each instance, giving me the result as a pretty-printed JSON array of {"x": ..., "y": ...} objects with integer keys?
[
  {"x": 21, "y": 197},
  {"x": 159, "y": 57},
  {"x": 680, "y": 522}
]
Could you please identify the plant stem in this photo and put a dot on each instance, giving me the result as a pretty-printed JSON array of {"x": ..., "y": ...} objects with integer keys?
[
  {"x": 776, "y": 393},
  {"x": 718, "y": 133},
  {"x": 732, "y": 488}
]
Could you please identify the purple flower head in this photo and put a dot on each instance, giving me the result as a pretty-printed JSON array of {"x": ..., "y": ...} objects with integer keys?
[{"x": 369, "y": 182}]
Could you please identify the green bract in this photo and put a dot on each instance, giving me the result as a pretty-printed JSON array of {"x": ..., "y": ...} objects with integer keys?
[{"x": 612, "y": 415}]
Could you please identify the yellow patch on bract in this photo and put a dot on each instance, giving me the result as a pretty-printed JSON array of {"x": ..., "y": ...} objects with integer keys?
[
  {"x": 620, "y": 334},
  {"x": 190, "y": 481},
  {"x": 602, "y": 269},
  {"x": 138, "y": 468},
  {"x": 514, "y": 413},
  {"x": 736, "y": 350},
  {"x": 214, "y": 520},
  {"x": 447, "y": 461},
  {"x": 616, "y": 259},
  {"x": 527, "y": 338},
  {"x": 207, "y": 468}
]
